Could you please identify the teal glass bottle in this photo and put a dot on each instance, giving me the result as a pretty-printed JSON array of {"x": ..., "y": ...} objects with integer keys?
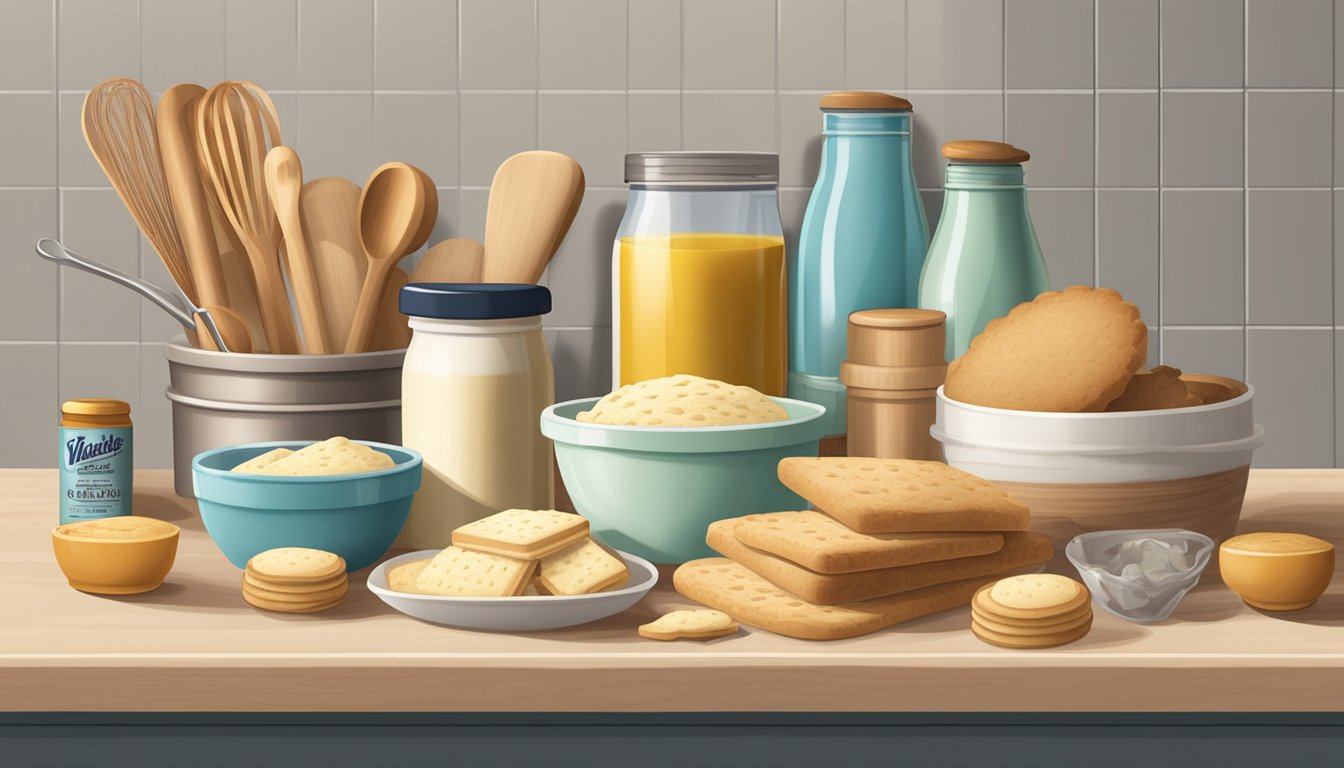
[
  {"x": 862, "y": 242},
  {"x": 984, "y": 259}
]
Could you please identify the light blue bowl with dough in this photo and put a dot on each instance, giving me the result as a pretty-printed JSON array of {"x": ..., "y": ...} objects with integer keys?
[
  {"x": 653, "y": 491},
  {"x": 357, "y": 516}
]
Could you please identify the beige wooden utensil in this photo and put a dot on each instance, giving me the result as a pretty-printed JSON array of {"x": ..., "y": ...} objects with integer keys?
[
  {"x": 119, "y": 127},
  {"x": 428, "y": 222},
  {"x": 238, "y": 277},
  {"x": 392, "y": 211},
  {"x": 236, "y": 124},
  {"x": 390, "y": 329},
  {"x": 176, "y": 123},
  {"x": 329, "y": 209},
  {"x": 230, "y": 326},
  {"x": 533, "y": 200},
  {"x": 455, "y": 260},
  {"x": 284, "y": 181}
]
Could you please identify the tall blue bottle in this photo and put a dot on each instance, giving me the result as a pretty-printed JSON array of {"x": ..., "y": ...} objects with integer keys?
[{"x": 862, "y": 244}]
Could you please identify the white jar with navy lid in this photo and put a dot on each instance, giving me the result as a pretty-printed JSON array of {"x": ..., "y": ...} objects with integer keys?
[{"x": 474, "y": 383}]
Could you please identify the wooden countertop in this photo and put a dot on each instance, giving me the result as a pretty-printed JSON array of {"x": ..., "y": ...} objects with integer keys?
[{"x": 194, "y": 645}]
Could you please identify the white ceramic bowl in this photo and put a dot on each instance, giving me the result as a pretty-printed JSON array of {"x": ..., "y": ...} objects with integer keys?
[
  {"x": 1128, "y": 447},
  {"x": 1082, "y": 472},
  {"x": 514, "y": 614}
]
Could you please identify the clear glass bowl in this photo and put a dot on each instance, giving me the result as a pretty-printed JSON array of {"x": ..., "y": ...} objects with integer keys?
[{"x": 1140, "y": 575}]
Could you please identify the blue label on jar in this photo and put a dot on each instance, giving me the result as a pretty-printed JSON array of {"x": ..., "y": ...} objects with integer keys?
[{"x": 96, "y": 466}]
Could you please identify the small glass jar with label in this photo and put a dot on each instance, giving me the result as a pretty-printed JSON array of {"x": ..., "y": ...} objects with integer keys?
[{"x": 97, "y": 460}]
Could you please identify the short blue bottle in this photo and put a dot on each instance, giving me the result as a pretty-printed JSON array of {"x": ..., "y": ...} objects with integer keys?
[{"x": 862, "y": 244}]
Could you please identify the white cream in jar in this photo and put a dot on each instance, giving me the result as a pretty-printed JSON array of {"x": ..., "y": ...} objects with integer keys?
[{"x": 476, "y": 378}]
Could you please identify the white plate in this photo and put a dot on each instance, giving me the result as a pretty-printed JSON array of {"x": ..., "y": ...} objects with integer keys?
[{"x": 514, "y": 614}]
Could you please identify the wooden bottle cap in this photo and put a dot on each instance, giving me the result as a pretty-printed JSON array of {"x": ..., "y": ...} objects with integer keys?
[
  {"x": 899, "y": 338},
  {"x": 865, "y": 100},
  {"x": 978, "y": 151}
]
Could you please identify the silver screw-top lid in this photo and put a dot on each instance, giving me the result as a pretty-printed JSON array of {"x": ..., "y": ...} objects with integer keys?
[{"x": 702, "y": 168}]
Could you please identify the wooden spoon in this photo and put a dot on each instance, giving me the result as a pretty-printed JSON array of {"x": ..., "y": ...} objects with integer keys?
[
  {"x": 284, "y": 181},
  {"x": 176, "y": 121},
  {"x": 390, "y": 328},
  {"x": 392, "y": 212},
  {"x": 533, "y": 200},
  {"x": 455, "y": 260},
  {"x": 427, "y": 224},
  {"x": 238, "y": 278},
  {"x": 329, "y": 209},
  {"x": 230, "y": 326}
]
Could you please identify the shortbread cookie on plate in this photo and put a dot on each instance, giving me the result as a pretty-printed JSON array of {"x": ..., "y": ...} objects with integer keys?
[{"x": 525, "y": 534}]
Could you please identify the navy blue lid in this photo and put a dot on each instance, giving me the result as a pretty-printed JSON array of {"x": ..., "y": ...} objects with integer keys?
[{"x": 474, "y": 301}]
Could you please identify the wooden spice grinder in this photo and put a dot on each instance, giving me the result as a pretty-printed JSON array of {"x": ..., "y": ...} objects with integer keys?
[{"x": 894, "y": 369}]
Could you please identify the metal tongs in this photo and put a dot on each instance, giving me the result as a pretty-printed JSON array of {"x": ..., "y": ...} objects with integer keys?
[{"x": 172, "y": 302}]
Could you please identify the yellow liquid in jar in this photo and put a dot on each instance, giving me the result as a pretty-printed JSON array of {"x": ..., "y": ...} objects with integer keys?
[{"x": 712, "y": 305}]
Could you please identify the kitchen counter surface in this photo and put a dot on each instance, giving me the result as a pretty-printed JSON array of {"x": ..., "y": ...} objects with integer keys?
[{"x": 194, "y": 645}]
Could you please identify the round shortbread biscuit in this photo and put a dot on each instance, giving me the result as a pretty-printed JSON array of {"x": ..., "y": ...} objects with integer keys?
[
  {"x": 321, "y": 596},
  {"x": 1034, "y": 596},
  {"x": 295, "y": 588},
  {"x": 287, "y": 565},
  {"x": 402, "y": 578},
  {"x": 1069, "y": 351},
  {"x": 980, "y": 607},
  {"x": 279, "y": 607},
  {"x": 1039, "y": 630},
  {"x": 1022, "y": 643}
]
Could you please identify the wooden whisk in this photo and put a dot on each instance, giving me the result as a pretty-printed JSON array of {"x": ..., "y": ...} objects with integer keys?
[
  {"x": 236, "y": 126},
  {"x": 119, "y": 127}
]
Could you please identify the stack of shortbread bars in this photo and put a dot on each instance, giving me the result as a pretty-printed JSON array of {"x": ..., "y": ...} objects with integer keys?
[{"x": 888, "y": 540}]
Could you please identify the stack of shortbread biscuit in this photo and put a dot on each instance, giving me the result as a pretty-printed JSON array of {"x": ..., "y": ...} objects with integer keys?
[
  {"x": 512, "y": 553},
  {"x": 295, "y": 580},
  {"x": 889, "y": 540},
  {"x": 1036, "y": 611}
]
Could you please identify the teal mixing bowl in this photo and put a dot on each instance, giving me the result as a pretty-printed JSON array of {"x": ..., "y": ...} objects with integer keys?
[
  {"x": 356, "y": 516},
  {"x": 653, "y": 491}
]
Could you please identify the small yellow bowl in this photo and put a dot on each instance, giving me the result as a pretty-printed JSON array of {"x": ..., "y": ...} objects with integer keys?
[
  {"x": 116, "y": 555},
  {"x": 1277, "y": 571}
]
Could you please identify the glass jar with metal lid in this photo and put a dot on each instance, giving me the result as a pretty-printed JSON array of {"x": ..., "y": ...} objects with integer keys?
[{"x": 698, "y": 275}]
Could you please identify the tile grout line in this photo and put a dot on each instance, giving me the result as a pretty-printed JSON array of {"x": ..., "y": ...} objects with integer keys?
[
  {"x": 1161, "y": 195},
  {"x": 60, "y": 196},
  {"x": 457, "y": 228},
  {"x": 1246, "y": 179},
  {"x": 1096, "y": 157}
]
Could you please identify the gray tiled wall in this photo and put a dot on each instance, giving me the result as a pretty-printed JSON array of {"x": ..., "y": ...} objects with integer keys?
[{"x": 1184, "y": 151}]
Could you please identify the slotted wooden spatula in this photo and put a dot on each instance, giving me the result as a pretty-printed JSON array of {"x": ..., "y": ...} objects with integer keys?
[{"x": 533, "y": 200}]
